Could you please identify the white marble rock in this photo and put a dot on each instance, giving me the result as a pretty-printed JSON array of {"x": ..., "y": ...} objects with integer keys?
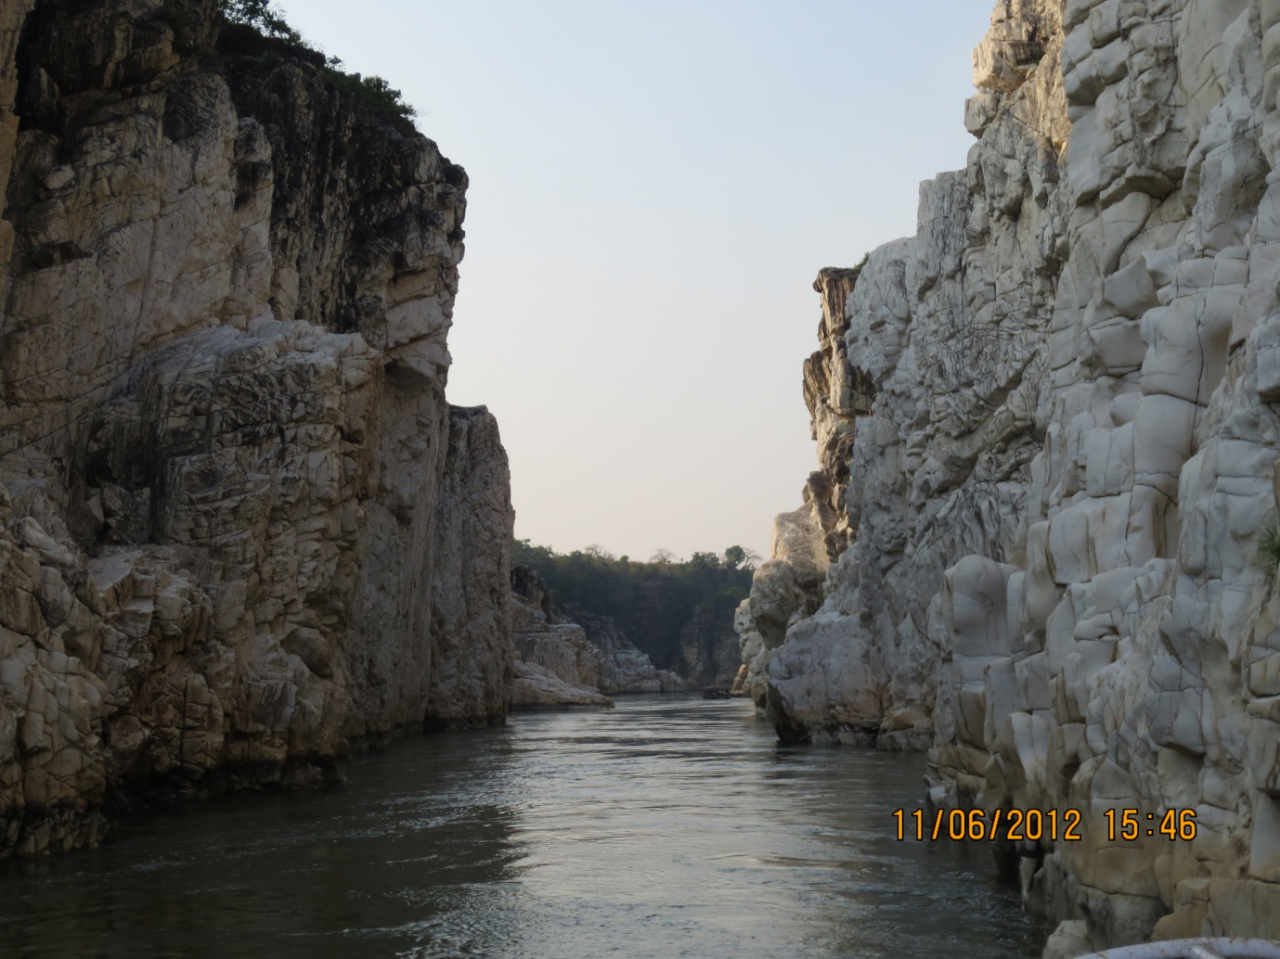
[{"x": 1056, "y": 495}]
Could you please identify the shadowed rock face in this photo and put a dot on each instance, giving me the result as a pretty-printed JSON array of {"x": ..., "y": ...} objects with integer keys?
[
  {"x": 241, "y": 529},
  {"x": 472, "y": 658},
  {"x": 1057, "y": 493}
]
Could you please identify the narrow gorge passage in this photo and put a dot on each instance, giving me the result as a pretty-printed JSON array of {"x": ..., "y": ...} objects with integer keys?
[{"x": 667, "y": 827}]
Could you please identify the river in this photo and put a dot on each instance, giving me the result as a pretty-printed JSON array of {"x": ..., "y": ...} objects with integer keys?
[{"x": 667, "y": 827}]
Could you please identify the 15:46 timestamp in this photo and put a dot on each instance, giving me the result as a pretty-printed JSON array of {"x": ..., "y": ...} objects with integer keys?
[{"x": 1129, "y": 824}]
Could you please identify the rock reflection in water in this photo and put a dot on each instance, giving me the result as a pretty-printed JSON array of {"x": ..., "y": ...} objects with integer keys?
[{"x": 667, "y": 827}]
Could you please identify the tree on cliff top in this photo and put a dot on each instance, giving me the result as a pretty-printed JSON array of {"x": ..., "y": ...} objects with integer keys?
[
  {"x": 243, "y": 18},
  {"x": 662, "y": 605},
  {"x": 735, "y": 557},
  {"x": 261, "y": 16}
]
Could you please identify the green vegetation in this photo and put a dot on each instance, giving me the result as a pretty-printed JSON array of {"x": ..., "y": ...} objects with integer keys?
[
  {"x": 262, "y": 17},
  {"x": 257, "y": 27},
  {"x": 1268, "y": 557},
  {"x": 658, "y": 604},
  {"x": 374, "y": 91}
]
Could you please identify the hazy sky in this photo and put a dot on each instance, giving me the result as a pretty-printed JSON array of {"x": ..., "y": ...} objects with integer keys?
[{"x": 654, "y": 186}]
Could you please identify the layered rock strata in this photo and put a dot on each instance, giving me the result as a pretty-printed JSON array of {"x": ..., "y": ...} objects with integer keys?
[
  {"x": 556, "y": 667},
  {"x": 240, "y": 529},
  {"x": 1059, "y": 493}
]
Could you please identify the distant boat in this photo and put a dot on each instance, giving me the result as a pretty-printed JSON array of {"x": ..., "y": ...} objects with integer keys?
[{"x": 722, "y": 692}]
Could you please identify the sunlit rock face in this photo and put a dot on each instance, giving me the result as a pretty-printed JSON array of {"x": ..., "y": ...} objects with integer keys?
[
  {"x": 240, "y": 530},
  {"x": 1141, "y": 624},
  {"x": 923, "y": 397},
  {"x": 1057, "y": 496}
]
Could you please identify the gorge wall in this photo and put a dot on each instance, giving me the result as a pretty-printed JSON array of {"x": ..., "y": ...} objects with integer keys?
[
  {"x": 1048, "y": 438},
  {"x": 241, "y": 530}
]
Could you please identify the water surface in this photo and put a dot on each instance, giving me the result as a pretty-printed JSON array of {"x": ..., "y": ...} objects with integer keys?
[{"x": 667, "y": 827}]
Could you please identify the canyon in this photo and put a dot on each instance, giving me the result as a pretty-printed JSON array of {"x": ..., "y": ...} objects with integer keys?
[
  {"x": 1047, "y": 446},
  {"x": 244, "y": 535}
]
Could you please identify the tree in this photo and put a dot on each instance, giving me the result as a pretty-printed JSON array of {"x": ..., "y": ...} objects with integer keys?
[
  {"x": 262, "y": 16},
  {"x": 666, "y": 607},
  {"x": 735, "y": 557}
]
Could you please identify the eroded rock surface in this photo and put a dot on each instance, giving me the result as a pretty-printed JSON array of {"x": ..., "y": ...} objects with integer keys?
[
  {"x": 1057, "y": 493},
  {"x": 923, "y": 397},
  {"x": 239, "y": 529},
  {"x": 472, "y": 658},
  {"x": 537, "y": 687}
]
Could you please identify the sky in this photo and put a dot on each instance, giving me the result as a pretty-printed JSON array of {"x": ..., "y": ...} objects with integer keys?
[{"x": 653, "y": 188}]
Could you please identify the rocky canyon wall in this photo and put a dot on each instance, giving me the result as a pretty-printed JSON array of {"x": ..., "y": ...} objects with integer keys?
[
  {"x": 1062, "y": 470},
  {"x": 240, "y": 527},
  {"x": 923, "y": 399}
]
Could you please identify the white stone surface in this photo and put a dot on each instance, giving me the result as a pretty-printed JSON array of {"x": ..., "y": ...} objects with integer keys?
[{"x": 1057, "y": 494}]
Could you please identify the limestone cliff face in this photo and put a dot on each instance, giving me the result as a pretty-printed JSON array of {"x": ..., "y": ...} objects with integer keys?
[
  {"x": 241, "y": 529},
  {"x": 1057, "y": 496},
  {"x": 923, "y": 399},
  {"x": 472, "y": 658}
]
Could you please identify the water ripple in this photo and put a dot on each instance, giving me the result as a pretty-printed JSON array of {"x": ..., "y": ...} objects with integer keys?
[{"x": 667, "y": 827}]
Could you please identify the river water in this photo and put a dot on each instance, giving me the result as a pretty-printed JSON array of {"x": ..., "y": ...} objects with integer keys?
[{"x": 667, "y": 827}]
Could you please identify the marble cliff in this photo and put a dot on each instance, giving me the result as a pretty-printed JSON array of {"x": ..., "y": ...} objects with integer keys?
[
  {"x": 241, "y": 530},
  {"x": 1048, "y": 437}
]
